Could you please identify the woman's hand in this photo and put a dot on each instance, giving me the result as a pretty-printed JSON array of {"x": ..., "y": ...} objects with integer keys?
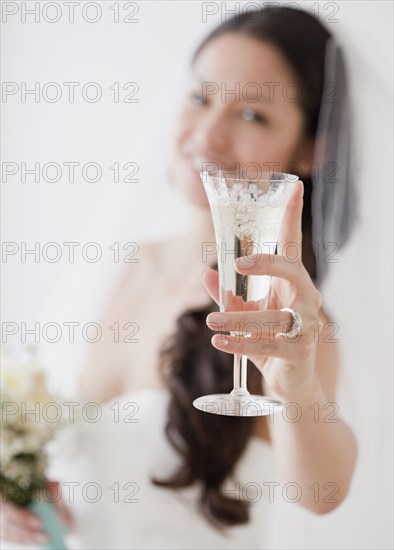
[
  {"x": 21, "y": 526},
  {"x": 287, "y": 365}
]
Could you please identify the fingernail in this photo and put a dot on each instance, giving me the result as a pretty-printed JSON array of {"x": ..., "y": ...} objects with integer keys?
[
  {"x": 244, "y": 262},
  {"x": 216, "y": 319},
  {"x": 220, "y": 339}
]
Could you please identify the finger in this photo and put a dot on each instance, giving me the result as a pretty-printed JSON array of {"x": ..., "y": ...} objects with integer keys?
[
  {"x": 287, "y": 350},
  {"x": 291, "y": 227},
  {"x": 21, "y": 535},
  {"x": 210, "y": 279},
  {"x": 258, "y": 323},
  {"x": 20, "y": 523},
  {"x": 20, "y": 516},
  {"x": 277, "y": 266}
]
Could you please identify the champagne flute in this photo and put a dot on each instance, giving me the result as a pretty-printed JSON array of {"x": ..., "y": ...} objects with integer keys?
[{"x": 247, "y": 215}]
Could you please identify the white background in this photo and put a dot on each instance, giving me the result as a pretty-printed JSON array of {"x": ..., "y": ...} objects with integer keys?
[{"x": 155, "y": 53}]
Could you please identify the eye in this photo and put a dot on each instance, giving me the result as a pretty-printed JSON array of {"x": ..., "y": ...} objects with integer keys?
[
  {"x": 251, "y": 115},
  {"x": 196, "y": 97}
]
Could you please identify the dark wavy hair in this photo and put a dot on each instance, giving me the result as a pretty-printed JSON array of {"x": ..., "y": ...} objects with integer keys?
[{"x": 210, "y": 445}]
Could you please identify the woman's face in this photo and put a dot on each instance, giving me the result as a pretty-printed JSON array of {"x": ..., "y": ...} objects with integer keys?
[{"x": 225, "y": 122}]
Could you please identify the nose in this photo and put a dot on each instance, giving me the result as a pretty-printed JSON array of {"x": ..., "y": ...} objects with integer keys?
[{"x": 211, "y": 137}]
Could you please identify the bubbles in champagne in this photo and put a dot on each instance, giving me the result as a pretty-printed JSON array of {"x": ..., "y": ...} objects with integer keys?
[{"x": 247, "y": 221}]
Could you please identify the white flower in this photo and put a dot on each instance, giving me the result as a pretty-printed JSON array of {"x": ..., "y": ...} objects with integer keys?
[{"x": 25, "y": 428}]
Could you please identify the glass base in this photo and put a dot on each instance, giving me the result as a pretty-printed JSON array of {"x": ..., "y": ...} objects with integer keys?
[{"x": 237, "y": 403}]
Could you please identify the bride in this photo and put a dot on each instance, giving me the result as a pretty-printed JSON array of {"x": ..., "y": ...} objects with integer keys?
[{"x": 163, "y": 481}]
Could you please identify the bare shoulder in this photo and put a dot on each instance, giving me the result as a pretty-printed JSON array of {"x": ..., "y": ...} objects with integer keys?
[
  {"x": 150, "y": 254},
  {"x": 125, "y": 297},
  {"x": 145, "y": 255},
  {"x": 142, "y": 264}
]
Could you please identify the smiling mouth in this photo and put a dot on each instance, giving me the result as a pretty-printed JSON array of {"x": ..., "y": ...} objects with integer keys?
[
  {"x": 199, "y": 164},
  {"x": 196, "y": 166}
]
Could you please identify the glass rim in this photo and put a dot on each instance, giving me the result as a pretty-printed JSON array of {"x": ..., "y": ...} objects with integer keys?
[{"x": 262, "y": 177}]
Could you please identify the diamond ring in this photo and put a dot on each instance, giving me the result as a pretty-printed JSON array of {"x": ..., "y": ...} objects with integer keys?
[{"x": 296, "y": 325}]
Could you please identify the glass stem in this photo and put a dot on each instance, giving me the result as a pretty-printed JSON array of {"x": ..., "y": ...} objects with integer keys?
[{"x": 240, "y": 373}]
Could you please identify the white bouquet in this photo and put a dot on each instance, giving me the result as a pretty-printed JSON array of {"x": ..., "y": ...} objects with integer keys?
[{"x": 30, "y": 417}]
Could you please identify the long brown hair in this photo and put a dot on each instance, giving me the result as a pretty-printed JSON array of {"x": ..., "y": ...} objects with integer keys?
[{"x": 210, "y": 445}]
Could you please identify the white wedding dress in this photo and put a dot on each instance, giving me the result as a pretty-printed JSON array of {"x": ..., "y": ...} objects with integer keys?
[{"x": 109, "y": 465}]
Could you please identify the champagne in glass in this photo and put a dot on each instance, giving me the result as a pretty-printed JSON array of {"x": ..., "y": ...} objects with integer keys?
[{"x": 247, "y": 215}]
